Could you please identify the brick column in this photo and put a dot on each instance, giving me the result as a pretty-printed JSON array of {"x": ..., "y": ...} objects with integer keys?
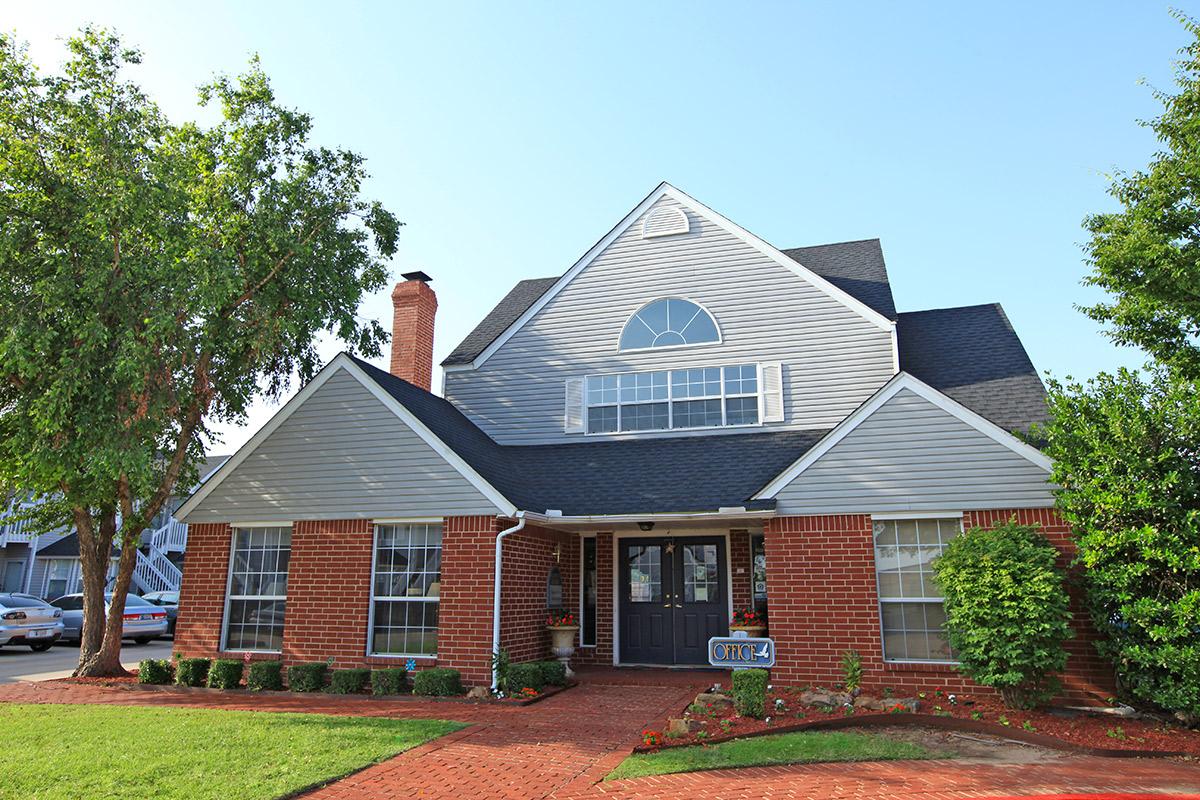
[
  {"x": 740, "y": 570},
  {"x": 465, "y": 614},
  {"x": 202, "y": 594}
]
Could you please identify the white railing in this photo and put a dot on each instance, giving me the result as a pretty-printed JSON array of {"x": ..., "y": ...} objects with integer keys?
[
  {"x": 170, "y": 538},
  {"x": 156, "y": 573},
  {"x": 18, "y": 531}
]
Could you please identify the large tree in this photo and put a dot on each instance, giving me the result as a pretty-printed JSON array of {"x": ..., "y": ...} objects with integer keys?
[{"x": 154, "y": 279}]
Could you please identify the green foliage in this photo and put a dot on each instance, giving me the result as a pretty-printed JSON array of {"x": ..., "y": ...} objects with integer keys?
[
  {"x": 522, "y": 676},
  {"x": 390, "y": 680},
  {"x": 554, "y": 673},
  {"x": 186, "y": 270},
  {"x": 500, "y": 666},
  {"x": 1007, "y": 611},
  {"x": 226, "y": 673},
  {"x": 437, "y": 682},
  {"x": 1147, "y": 254},
  {"x": 308, "y": 677},
  {"x": 750, "y": 692},
  {"x": 348, "y": 681},
  {"x": 1125, "y": 454},
  {"x": 154, "y": 670},
  {"x": 192, "y": 671},
  {"x": 265, "y": 676},
  {"x": 852, "y": 670}
]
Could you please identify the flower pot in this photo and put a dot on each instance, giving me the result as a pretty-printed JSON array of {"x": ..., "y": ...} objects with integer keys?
[
  {"x": 562, "y": 644},
  {"x": 753, "y": 631}
]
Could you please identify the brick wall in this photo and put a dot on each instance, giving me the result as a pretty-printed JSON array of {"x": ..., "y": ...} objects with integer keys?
[
  {"x": 739, "y": 570},
  {"x": 528, "y": 558},
  {"x": 602, "y": 653},
  {"x": 465, "y": 616},
  {"x": 202, "y": 593},
  {"x": 414, "y": 306}
]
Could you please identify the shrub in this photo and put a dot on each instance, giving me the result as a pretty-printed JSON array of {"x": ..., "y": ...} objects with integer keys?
[
  {"x": 554, "y": 673},
  {"x": 348, "y": 681},
  {"x": 154, "y": 670},
  {"x": 852, "y": 669},
  {"x": 308, "y": 677},
  {"x": 750, "y": 692},
  {"x": 437, "y": 682},
  {"x": 192, "y": 671},
  {"x": 500, "y": 664},
  {"x": 522, "y": 676},
  {"x": 265, "y": 675},
  {"x": 225, "y": 673},
  {"x": 392, "y": 680},
  {"x": 1007, "y": 611}
]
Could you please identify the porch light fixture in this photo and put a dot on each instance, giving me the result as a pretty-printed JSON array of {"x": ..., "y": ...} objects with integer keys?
[{"x": 646, "y": 526}]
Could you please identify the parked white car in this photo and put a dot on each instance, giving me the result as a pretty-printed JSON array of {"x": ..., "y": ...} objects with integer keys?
[{"x": 24, "y": 619}]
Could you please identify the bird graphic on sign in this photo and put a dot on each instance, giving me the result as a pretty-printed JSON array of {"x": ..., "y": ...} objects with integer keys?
[{"x": 762, "y": 653}]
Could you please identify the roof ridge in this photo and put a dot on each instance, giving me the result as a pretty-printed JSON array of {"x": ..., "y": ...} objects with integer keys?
[
  {"x": 832, "y": 244},
  {"x": 995, "y": 305}
]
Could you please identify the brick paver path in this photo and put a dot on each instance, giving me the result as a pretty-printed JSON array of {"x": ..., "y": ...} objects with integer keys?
[{"x": 564, "y": 746}]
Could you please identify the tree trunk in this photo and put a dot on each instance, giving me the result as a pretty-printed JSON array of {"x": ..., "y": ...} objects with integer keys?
[
  {"x": 104, "y": 660},
  {"x": 94, "y": 546}
]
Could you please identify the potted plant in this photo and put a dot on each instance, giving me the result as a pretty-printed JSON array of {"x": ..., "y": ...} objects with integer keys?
[
  {"x": 562, "y": 626},
  {"x": 750, "y": 620}
]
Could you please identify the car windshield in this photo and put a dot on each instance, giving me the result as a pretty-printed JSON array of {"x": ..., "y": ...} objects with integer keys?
[{"x": 17, "y": 601}]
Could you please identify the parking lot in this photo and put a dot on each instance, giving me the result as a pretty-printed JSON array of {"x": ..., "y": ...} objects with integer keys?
[{"x": 19, "y": 663}]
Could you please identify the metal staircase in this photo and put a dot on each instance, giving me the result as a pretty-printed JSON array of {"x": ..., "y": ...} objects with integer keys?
[{"x": 154, "y": 571}]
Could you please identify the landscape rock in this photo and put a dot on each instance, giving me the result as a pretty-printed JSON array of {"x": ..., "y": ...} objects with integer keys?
[
  {"x": 870, "y": 703},
  {"x": 714, "y": 699},
  {"x": 682, "y": 727},
  {"x": 479, "y": 693}
]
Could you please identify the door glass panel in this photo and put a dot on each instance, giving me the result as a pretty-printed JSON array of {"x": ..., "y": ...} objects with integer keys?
[
  {"x": 700, "y": 573},
  {"x": 645, "y": 574}
]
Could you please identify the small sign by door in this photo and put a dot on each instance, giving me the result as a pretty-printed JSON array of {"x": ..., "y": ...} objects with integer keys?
[{"x": 728, "y": 651}]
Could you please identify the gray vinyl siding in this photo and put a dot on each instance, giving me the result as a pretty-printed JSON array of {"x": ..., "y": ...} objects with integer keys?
[
  {"x": 911, "y": 455},
  {"x": 341, "y": 455},
  {"x": 833, "y": 358}
]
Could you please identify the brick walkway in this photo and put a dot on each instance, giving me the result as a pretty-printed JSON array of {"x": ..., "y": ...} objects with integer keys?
[{"x": 564, "y": 746}]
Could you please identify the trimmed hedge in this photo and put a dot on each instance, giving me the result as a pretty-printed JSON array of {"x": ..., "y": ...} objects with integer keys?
[
  {"x": 438, "y": 682},
  {"x": 225, "y": 673},
  {"x": 750, "y": 692},
  {"x": 264, "y": 675},
  {"x": 554, "y": 673},
  {"x": 390, "y": 680},
  {"x": 308, "y": 677},
  {"x": 192, "y": 671},
  {"x": 348, "y": 681},
  {"x": 525, "y": 676},
  {"x": 154, "y": 670}
]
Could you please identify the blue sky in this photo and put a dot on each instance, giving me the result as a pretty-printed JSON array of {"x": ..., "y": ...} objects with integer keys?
[{"x": 510, "y": 136}]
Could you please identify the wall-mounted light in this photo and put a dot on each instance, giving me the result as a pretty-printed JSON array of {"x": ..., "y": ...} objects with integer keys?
[
  {"x": 646, "y": 526},
  {"x": 557, "y": 553}
]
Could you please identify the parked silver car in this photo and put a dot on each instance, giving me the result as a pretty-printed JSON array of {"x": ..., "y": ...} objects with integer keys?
[
  {"x": 143, "y": 621},
  {"x": 167, "y": 601},
  {"x": 24, "y": 619}
]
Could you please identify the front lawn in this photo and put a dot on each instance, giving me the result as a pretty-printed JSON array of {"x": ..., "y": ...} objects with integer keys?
[
  {"x": 72, "y": 751},
  {"x": 786, "y": 748}
]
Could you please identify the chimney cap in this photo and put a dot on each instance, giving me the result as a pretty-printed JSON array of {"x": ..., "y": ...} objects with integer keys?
[{"x": 416, "y": 276}]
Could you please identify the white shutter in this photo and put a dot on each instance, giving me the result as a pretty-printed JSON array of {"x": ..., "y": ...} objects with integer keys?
[
  {"x": 573, "y": 406},
  {"x": 772, "y": 391}
]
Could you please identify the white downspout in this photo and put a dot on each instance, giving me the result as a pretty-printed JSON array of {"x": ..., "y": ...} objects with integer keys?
[{"x": 496, "y": 595}]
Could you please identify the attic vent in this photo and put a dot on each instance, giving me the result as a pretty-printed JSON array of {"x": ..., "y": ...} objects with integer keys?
[{"x": 664, "y": 222}]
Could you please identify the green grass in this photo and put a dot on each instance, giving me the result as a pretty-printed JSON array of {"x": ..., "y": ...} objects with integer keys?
[
  {"x": 65, "y": 752},
  {"x": 786, "y": 748}
]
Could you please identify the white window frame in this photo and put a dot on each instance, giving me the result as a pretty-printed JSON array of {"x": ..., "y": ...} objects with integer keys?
[
  {"x": 72, "y": 571},
  {"x": 629, "y": 321},
  {"x": 670, "y": 400},
  {"x": 914, "y": 516},
  {"x": 375, "y": 526},
  {"x": 233, "y": 533}
]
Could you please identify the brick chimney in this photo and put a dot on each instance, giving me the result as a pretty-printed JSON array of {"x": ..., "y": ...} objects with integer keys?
[{"x": 414, "y": 306}]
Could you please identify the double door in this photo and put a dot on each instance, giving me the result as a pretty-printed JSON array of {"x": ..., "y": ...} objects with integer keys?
[{"x": 673, "y": 598}]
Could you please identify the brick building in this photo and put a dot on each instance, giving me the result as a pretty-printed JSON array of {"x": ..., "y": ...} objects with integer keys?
[{"x": 687, "y": 422}]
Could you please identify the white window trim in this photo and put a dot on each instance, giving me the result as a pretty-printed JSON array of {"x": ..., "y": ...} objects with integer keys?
[
  {"x": 72, "y": 575},
  {"x": 670, "y": 401},
  {"x": 596, "y": 622},
  {"x": 233, "y": 531},
  {"x": 881, "y": 600},
  {"x": 375, "y": 526},
  {"x": 629, "y": 320}
]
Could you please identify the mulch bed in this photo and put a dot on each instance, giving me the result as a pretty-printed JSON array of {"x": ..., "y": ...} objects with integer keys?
[{"x": 1097, "y": 733}]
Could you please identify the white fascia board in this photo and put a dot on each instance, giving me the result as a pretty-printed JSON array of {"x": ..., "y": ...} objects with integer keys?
[
  {"x": 903, "y": 380},
  {"x": 592, "y": 519},
  {"x": 667, "y": 190},
  {"x": 344, "y": 362}
]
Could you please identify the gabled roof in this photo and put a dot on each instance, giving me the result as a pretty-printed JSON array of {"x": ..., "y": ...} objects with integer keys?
[
  {"x": 973, "y": 355},
  {"x": 68, "y": 547}
]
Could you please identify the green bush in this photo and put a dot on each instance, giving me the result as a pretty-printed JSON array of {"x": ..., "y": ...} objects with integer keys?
[
  {"x": 154, "y": 670},
  {"x": 554, "y": 673},
  {"x": 348, "y": 681},
  {"x": 1007, "y": 611},
  {"x": 192, "y": 671},
  {"x": 750, "y": 692},
  {"x": 308, "y": 677},
  {"x": 392, "y": 680},
  {"x": 852, "y": 670},
  {"x": 225, "y": 673},
  {"x": 437, "y": 682},
  {"x": 527, "y": 675},
  {"x": 265, "y": 675}
]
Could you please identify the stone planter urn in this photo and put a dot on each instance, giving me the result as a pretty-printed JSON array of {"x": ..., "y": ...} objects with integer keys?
[
  {"x": 753, "y": 631},
  {"x": 562, "y": 644}
]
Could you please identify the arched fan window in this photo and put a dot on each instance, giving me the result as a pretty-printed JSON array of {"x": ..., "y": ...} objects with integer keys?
[{"x": 669, "y": 322}]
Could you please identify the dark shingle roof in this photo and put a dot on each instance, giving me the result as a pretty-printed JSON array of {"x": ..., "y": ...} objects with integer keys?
[
  {"x": 857, "y": 268},
  {"x": 506, "y": 312},
  {"x": 66, "y": 547},
  {"x": 973, "y": 355},
  {"x": 677, "y": 474}
]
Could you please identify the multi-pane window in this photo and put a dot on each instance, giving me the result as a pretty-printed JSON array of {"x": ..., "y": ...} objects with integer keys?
[
  {"x": 668, "y": 323},
  {"x": 911, "y": 607},
  {"x": 406, "y": 588},
  {"x": 704, "y": 397},
  {"x": 587, "y": 617},
  {"x": 258, "y": 574},
  {"x": 645, "y": 574},
  {"x": 58, "y": 578},
  {"x": 700, "y": 574}
]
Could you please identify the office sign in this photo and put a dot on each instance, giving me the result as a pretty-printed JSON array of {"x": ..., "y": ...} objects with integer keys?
[{"x": 741, "y": 652}]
